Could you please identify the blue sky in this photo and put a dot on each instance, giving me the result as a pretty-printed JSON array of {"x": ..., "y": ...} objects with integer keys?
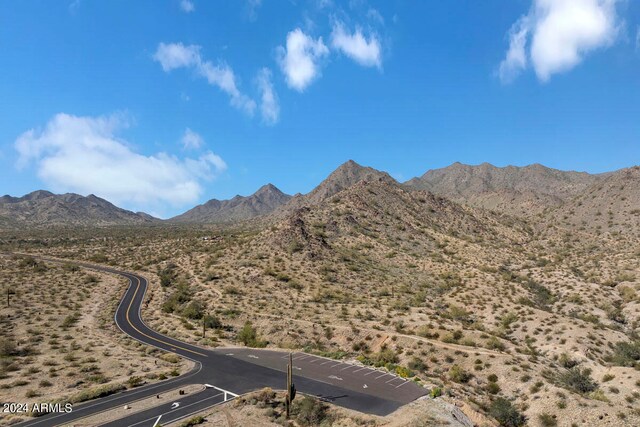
[{"x": 160, "y": 105}]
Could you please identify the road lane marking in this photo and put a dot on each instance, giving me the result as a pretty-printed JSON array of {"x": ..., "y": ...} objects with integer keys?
[
  {"x": 135, "y": 293},
  {"x": 157, "y": 421},
  {"x": 173, "y": 410}
]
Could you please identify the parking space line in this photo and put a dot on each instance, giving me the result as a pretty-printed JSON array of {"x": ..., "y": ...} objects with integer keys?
[
  {"x": 333, "y": 366},
  {"x": 393, "y": 379},
  {"x": 383, "y": 375},
  {"x": 315, "y": 359},
  {"x": 369, "y": 373},
  {"x": 324, "y": 363},
  {"x": 304, "y": 356},
  {"x": 358, "y": 370},
  {"x": 348, "y": 366},
  {"x": 403, "y": 383}
]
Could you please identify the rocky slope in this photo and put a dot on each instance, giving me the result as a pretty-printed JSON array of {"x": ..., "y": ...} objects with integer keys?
[
  {"x": 515, "y": 190},
  {"x": 42, "y": 208},
  {"x": 610, "y": 205},
  {"x": 264, "y": 201}
]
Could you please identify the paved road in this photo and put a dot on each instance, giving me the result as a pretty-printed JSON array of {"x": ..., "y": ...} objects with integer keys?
[{"x": 234, "y": 371}]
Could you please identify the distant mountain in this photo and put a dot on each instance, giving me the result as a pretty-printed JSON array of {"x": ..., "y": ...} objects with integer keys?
[
  {"x": 345, "y": 176},
  {"x": 43, "y": 208},
  {"x": 516, "y": 190},
  {"x": 264, "y": 201},
  {"x": 610, "y": 205}
]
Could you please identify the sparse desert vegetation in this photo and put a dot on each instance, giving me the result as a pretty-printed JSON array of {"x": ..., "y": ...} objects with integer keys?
[{"x": 515, "y": 318}]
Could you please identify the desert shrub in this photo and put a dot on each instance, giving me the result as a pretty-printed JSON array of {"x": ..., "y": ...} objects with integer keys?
[
  {"x": 404, "y": 372},
  {"x": 494, "y": 343},
  {"x": 212, "y": 322},
  {"x": 95, "y": 393},
  {"x": 578, "y": 380},
  {"x": 626, "y": 353},
  {"x": 506, "y": 414},
  {"x": 194, "y": 310},
  {"x": 7, "y": 347},
  {"x": 134, "y": 381},
  {"x": 435, "y": 392},
  {"x": 70, "y": 320},
  {"x": 385, "y": 357},
  {"x": 493, "y": 388},
  {"x": 193, "y": 421},
  {"x": 417, "y": 364},
  {"x": 179, "y": 297},
  {"x": 547, "y": 420},
  {"x": 310, "y": 412},
  {"x": 167, "y": 275},
  {"x": 566, "y": 361},
  {"x": 459, "y": 375},
  {"x": 248, "y": 335}
]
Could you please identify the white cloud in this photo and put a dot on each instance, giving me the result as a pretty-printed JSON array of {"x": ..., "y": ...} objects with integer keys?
[
  {"x": 176, "y": 55},
  {"x": 252, "y": 8},
  {"x": 356, "y": 46},
  {"x": 375, "y": 15},
  {"x": 85, "y": 155},
  {"x": 187, "y": 6},
  {"x": 191, "y": 140},
  {"x": 560, "y": 33},
  {"x": 516, "y": 59},
  {"x": 269, "y": 106},
  {"x": 299, "y": 60}
]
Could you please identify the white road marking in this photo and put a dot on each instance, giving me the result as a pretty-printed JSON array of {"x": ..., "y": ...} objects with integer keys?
[
  {"x": 365, "y": 386},
  {"x": 297, "y": 368},
  {"x": 324, "y": 363},
  {"x": 186, "y": 406},
  {"x": 174, "y": 405},
  {"x": 157, "y": 421},
  {"x": 347, "y": 367},
  {"x": 403, "y": 383},
  {"x": 392, "y": 379},
  {"x": 315, "y": 359},
  {"x": 304, "y": 356},
  {"x": 333, "y": 377},
  {"x": 369, "y": 373},
  {"x": 358, "y": 370},
  {"x": 253, "y": 356},
  {"x": 340, "y": 363},
  {"x": 229, "y": 354},
  {"x": 380, "y": 376}
]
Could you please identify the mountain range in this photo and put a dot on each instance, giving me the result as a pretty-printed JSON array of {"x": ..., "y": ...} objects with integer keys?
[{"x": 577, "y": 198}]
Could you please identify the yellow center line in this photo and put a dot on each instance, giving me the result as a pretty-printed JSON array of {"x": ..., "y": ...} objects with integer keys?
[{"x": 150, "y": 337}]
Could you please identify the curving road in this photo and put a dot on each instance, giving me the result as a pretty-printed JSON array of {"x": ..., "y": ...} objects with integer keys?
[{"x": 230, "y": 372}]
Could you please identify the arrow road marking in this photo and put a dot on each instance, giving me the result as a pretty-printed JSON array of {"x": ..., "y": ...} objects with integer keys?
[
  {"x": 174, "y": 405},
  {"x": 333, "y": 377},
  {"x": 365, "y": 386}
]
